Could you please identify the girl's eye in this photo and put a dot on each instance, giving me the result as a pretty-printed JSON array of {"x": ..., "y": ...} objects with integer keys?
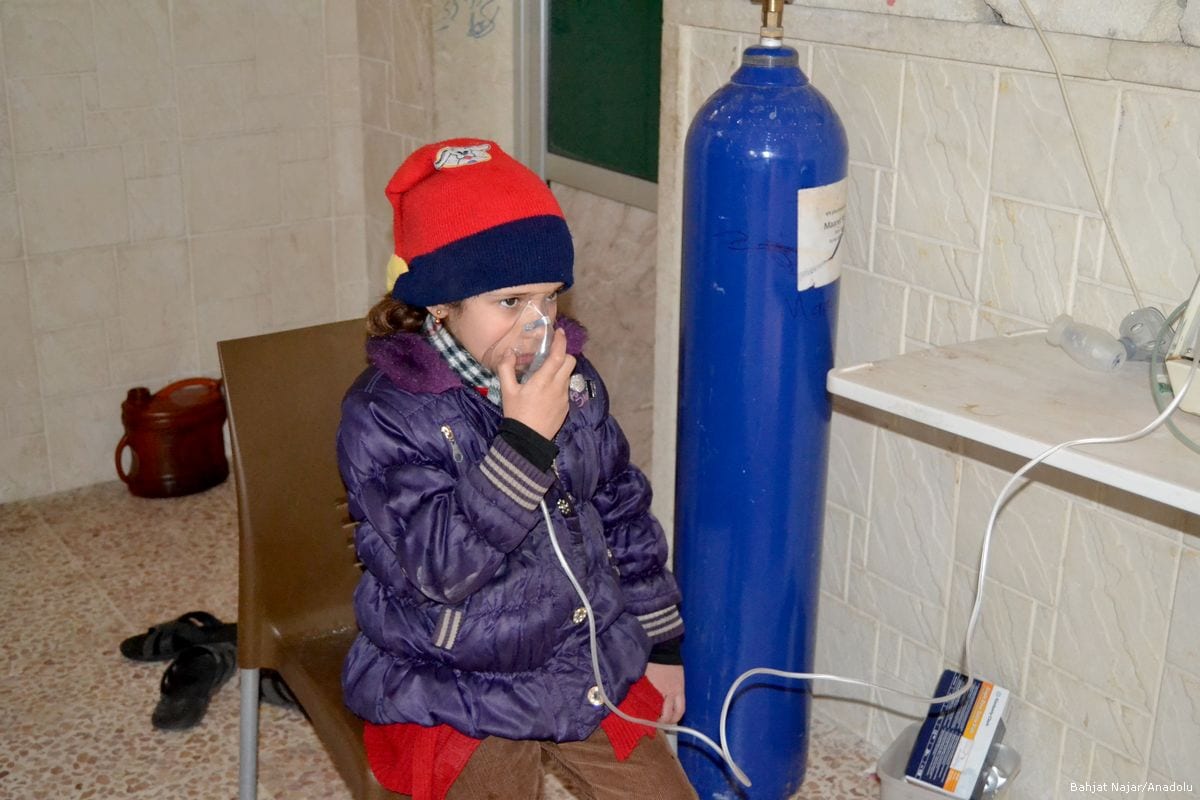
[
  {"x": 509, "y": 302},
  {"x": 552, "y": 297}
]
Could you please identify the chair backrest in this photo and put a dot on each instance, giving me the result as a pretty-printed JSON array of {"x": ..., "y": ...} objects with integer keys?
[{"x": 297, "y": 571}]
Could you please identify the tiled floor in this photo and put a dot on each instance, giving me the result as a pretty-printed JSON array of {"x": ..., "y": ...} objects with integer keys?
[{"x": 80, "y": 571}]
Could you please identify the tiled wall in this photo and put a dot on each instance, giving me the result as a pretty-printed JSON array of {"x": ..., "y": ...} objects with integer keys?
[
  {"x": 170, "y": 175},
  {"x": 971, "y": 214}
]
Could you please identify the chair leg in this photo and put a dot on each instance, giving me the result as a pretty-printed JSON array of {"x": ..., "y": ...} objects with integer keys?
[{"x": 248, "y": 736}]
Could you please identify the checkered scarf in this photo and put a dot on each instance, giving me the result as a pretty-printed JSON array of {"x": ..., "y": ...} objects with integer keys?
[{"x": 473, "y": 373}]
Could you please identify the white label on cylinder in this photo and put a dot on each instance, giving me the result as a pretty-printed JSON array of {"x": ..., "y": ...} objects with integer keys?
[{"x": 820, "y": 226}]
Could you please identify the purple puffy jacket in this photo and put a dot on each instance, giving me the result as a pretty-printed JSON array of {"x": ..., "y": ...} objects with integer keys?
[{"x": 466, "y": 617}]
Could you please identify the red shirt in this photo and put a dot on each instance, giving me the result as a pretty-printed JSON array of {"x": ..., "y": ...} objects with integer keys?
[{"x": 423, "y": 762}]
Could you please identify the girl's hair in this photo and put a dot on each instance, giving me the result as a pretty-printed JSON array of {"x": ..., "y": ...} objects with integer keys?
[{"x": 390, "y": 316}]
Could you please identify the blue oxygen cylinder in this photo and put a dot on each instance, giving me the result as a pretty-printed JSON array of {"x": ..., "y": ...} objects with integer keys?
[{"x": 764, "y": 203}]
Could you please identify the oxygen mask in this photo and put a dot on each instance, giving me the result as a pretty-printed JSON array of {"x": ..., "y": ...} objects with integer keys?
[{"x": 529, "y": 337}]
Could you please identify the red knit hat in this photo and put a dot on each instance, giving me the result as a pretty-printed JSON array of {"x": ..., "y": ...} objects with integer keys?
[{"x": 469, "y": 219}]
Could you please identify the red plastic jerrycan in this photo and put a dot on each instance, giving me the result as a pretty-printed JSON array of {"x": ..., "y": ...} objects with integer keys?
[{"x": 174, "y": 438}]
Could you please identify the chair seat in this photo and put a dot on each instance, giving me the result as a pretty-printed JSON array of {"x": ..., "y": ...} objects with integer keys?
[{"x": 312, "y": 668}]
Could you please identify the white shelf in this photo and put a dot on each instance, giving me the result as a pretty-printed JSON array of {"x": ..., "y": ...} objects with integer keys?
[{"x": 1019, "y": 394}]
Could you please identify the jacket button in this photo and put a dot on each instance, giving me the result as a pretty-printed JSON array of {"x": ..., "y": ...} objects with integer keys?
[
  {"x": 593, "y": 696},
  {"x": 579, "y": 616},
  {"x": 565, "y": 507}
]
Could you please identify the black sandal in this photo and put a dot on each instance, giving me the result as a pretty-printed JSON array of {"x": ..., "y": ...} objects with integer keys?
[
  {"x": 168, "y": 639},
  {"x": 272, "y": 690},
  {"x": 190, "y": 682}
]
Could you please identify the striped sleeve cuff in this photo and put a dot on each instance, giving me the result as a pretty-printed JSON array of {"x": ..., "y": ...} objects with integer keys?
[
  {"x": 662, "y": 625},
  {"x": 514, "y": 476}
]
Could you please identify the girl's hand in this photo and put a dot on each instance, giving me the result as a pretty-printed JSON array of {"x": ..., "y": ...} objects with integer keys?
[
  {"x": 668, "y": 679},
  {"x": 541, "y": 403}
]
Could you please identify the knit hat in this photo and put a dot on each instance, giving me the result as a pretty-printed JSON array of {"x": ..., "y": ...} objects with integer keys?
[{"x": 468, "y": 219}]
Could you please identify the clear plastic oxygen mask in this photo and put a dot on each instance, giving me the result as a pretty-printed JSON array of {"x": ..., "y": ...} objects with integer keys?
[{"x": 529, "y": 338}]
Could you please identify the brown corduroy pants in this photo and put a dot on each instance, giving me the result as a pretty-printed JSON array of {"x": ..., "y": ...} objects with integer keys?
[{"x": 503, "y": 769}]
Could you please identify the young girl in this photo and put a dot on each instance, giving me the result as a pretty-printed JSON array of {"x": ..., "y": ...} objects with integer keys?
[{"x": 473, "y": 662}]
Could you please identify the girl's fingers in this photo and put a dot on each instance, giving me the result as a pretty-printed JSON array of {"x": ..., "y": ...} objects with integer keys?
[{"x": 507, "y": 372}]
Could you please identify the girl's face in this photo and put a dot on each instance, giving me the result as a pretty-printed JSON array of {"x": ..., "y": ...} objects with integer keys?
[{"x": 486, "y": 324}]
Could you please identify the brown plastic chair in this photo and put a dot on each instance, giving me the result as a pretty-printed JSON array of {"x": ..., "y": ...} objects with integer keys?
[{"x": 297, "y": 570}]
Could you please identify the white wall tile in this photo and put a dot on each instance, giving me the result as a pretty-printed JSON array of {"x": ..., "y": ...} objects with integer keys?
[
  {"x": 73, "y": 360},
  {"x": 860, "y": 208},
  {"x": 912, "y": 506},
  {"x": 288, "y": 42},
  {"x": 1154, "y": 202},
  {"x": 341, "y": 27},
  {"x": 82, "y": 432},
  {"x": 155, "y": 208},
  {"x": 17, "y": 362},
  {"x": 47, "y": 113},
  {"x": 412, "y": 56},
  {"x": 24, "y": 468},
  {"x": 1183, "y": 648},
  {"x": 1036, "y": 155},
  {"x": 1177, "y": 732},
  {"x": 62, "y": 210},
  {"x": 916, "y": 618},
  {"x": 940, "y": 268},
  {"x": 1028, "y": 260},
  {"x": 162, "y": 158},
  {"x": 155, "y": 292},
  {"x": 375, "y": 28},
  {"x": 945, "y": 150},
  {"x": 303, "y": 144},
  {"x": 916, "y": 320},
  {"x": 131, "y": 125},
  {"x": 348, "y": 192},
  {"x": 301, "y": 259},
  {"x": 273, "y": 112},
  {"x": 10, "y": 228},
  {"x": 851, "y": 453},
  {"x": 305, "y": 189},
  {"x": 153, "y": 364},
  {"x": 133, "y": 53},
  {"x": 950, "y": 321},
  {"x": 473, "y": 59},
  {"x": 232, "y": 182},
  {"x": 345, "y": 90},
  {"x": 350, "y": 251},
  {"x": 210, "y": 100},
  {"x": 870, "y": 318},
  {"x": 213, "y": 31},
  {"x": 1114, "y": 606},
  {"x": 24, "y": 419},
  {"x": 47, "y": 37},
  {"x": 375, "y": 89},
  {"x": 836, "y": 539},
  {"x": 846, "y": 640},
  {"x": 353, "y": 300},
  {"x": 864, "y": 88},
  {"x": 1105, "y": 718},
  {"x": 1143, "y": 20},
  {"x": 68, "y": 289},
  {"x": 230, "y": 265}
]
